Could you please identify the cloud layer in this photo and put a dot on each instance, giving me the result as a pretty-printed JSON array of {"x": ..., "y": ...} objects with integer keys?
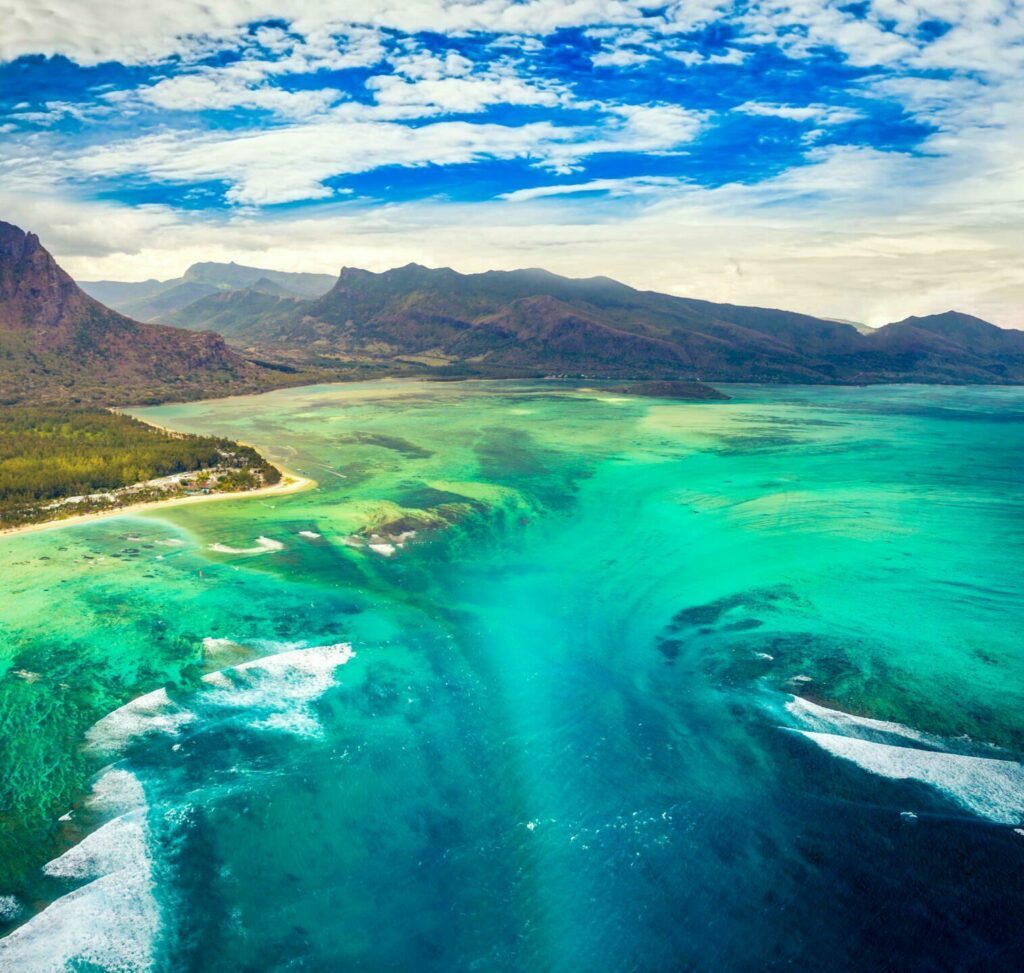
[{"x": 857, "y": 159}]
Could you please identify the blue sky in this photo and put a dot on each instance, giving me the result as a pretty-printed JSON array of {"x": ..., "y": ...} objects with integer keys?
[{"x": 859, "y": 159}]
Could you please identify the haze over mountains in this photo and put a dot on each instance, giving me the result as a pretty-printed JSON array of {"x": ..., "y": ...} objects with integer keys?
[
  {"x": 156, "y": 300},
  {"x": 59, "y": 344}
]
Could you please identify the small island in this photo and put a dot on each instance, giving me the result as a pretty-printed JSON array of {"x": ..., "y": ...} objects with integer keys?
[
  {"x": 57, "y": 463},
  {"x": 682, "y": 391}
]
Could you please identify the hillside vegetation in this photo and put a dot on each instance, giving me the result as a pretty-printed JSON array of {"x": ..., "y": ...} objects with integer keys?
[{"x": 534, "y": 323}]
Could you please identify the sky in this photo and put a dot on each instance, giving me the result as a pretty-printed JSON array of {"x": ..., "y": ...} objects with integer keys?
[{"x": 859, "y": 160}]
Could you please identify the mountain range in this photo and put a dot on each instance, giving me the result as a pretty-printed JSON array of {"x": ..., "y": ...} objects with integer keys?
[
  {"x": 157, "y": 300},
  {"x": 57, "y": 344},
  {"x": 527, "y": 322}
]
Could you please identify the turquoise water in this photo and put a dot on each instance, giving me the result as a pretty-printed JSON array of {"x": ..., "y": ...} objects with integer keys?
[{"x": 535, "y": 679}]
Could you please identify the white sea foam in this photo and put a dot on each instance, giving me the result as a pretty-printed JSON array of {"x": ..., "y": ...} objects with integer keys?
[
  {"x": 10, "y": 908},
  {"x": 263, "y": 545},
  {"x": 152, "y": 713},
  {"x": 116, "y": 791},
  {"x": 112, "y": 922},
  {"x": 814, "y": 717},
  {"x": 315, "y": 661},
  {"x": 297, "y": 722},
  {"x": 311, "y": 534},
  {"x": 271, "y": 686},
  {"x": 274, "y": 646},
  {"x": 280, "y": 687},
  {"x": 214, "y": 647},
  {"x": 116, "y": 845},
  {"x": 991, "y": 788}
]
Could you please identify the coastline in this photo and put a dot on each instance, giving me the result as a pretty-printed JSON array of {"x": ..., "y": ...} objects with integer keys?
[{"x": 290, "y": 483}]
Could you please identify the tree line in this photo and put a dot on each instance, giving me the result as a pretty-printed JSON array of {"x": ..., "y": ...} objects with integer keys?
[{"x": 51, "y": 452}]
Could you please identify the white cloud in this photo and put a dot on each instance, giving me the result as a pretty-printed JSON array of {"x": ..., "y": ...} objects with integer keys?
[
  {"x": 732, "y": 56},
  {"x": 983, "y": 35},
  {"x": 136, "y": 33},
  {"x": 689, "y": 58},
  {"x": 620, "y": 57},
  {"x": 423, "y": 65},
  {"x": 622, "y": 48},
  {"x": 51, "y": 112},
  {"x": 614, "y": 188},
  {"x": 820, "y": 114},
  {"x": 801, "y": 26},
  {"x": 867, "y": 248},
  {"x": 248, "y": 83},
  {"x": 654, "y": 128},
  {"x": 457, "y": 95},
  {"x": 293, "y": 162},
  {"x": 424, "y": 84},
  {"x": 855, "y": 233},
  {"x": 221, "y": 90},
  {"x": 693, "y": 58},
  {"x": 684, "y": 16}
]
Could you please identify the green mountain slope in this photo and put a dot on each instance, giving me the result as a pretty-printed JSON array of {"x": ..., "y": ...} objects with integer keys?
[{"x": 535, "y": 322}]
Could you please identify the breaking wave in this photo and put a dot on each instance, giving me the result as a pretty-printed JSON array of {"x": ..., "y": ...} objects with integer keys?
[
  {"x": 153, "y": 713},
  {"x": 263, "y": 545},
  {"x": 112, "y": 921},
  {"x": 277, "y": 689},
  {"x": 989, "y": 787}
]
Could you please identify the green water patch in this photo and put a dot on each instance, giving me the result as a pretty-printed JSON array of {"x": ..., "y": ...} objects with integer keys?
[
  {"x": 576, "y": 620},
  {"x": 118, "y": 619},
  {"x": 395, "y": 443}
]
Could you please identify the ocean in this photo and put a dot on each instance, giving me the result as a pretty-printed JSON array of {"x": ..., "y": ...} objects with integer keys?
[{"x": 536, "y": 678}]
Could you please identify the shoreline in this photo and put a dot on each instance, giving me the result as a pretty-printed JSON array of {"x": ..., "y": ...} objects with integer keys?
[{"x": 290, "y": 483}]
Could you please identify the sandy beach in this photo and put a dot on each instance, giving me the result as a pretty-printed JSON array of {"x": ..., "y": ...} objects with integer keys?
[{"x": 289, "y": 483}]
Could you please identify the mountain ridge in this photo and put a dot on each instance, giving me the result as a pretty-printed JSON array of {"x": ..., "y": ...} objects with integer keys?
[
  {"x": 534, "y": 322},
  {"x": 153, "y": 300}
]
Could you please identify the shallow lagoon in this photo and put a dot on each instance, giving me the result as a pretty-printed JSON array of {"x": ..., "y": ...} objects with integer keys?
[{"x": 653, "y": 686}]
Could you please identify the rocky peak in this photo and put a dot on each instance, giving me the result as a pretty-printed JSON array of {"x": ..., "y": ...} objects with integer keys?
[
  {"x": 34, "y": 291},
  {"x": 61, "y": 344}
]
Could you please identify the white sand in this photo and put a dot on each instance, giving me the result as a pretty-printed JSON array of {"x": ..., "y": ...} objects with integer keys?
[{"x": 290, "y": 483}]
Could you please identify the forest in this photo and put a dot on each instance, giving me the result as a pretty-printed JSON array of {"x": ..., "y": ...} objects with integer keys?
[{"x": 50, "y": 453}]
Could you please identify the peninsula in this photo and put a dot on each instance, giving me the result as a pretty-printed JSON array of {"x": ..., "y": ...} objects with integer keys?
[{"x": 60, "y": 466}]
